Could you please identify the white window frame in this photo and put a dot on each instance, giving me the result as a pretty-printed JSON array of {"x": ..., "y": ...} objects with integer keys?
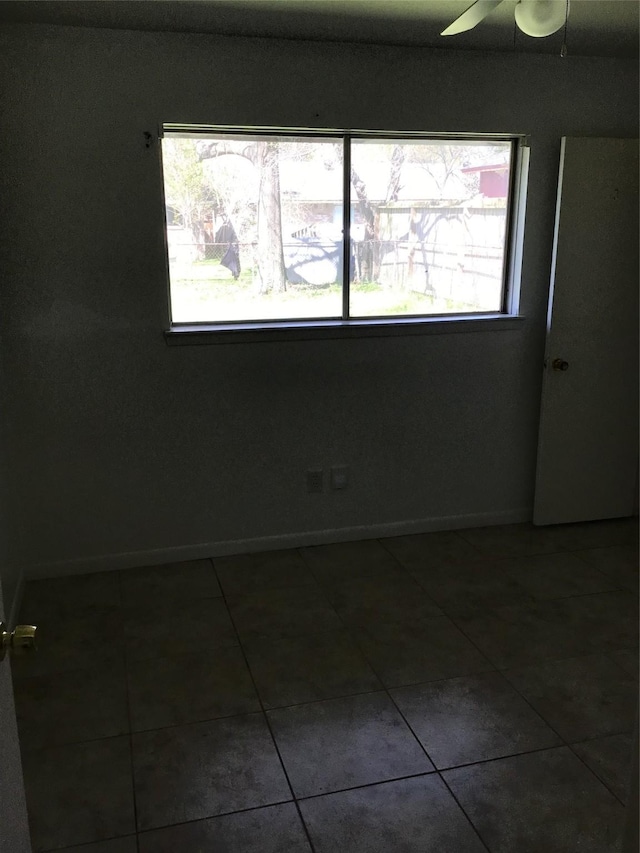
[{"x": 309, "y": 329}]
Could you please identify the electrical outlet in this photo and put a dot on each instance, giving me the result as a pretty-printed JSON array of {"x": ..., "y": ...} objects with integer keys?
[
  {"x": 315, "y": 478},
  {"x": 339, "y": 477}
]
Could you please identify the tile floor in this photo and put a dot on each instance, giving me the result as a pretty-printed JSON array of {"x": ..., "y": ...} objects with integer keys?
[{"x": 450, "y": 692}]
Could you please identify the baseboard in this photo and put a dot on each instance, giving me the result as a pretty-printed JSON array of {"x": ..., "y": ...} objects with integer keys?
[{"x": 175, "y": 554}]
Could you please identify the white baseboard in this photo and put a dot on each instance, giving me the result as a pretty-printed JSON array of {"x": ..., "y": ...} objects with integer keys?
[{"x": 179, "y": 553}]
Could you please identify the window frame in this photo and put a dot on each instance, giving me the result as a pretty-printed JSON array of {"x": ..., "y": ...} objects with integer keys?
[{"x": 230, "y": 331}]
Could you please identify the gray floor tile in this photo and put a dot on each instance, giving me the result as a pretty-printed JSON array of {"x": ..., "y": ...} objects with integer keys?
[
  {"x": 544, "y": 801},
  {"x": 169, "y": 583},
  {"x": 190, "y": 688},
  {"x": 517, "y": 634},
  {"x": 618, "y": 562},
  {"x": 345, "y": 561},
  {"x": 610, "y": 759},
  {"x": 413, "y": 652},
  {"x": 522, "y": 634},
  {"x": 267, "y": 570},
  {"x": 628, "y": 660},
  {"x": 609, "y": 618},
  {"x": 341, "y": 743},
  {"x": 274, "y": 829},
  {"x": 580, "y": 697},
  {"x": 310, "y": 668},
  {"x": 115, "y": 845},
  {"x": 471, "y": 587},
  {"x": 49, "y": 598},
  {"x": 79, "y": 793},
  {"x": 205, "y": 769},
  {"x": 159, "y": 630},
  {"x": 462, "y": 720},
  {"x": 86, "y": 639},
  {"x": 511, "y": 540},
  {"x": 429, "y": 550},
  {"x": 369, "y": 601},
  {"x": 596, "y": 534},
  {"x": 414, "y": 815},
  {"x": 72, "y": 707},
  {"x": 556, "y": 576},
  {"x": 185, "y": 664},
  {"x": 273, "y": 614}
]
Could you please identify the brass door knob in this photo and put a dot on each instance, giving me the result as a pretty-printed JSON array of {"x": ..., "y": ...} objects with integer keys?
[
  {"x": 560, "y": 364},
  {"x": 23, "y": 637}
]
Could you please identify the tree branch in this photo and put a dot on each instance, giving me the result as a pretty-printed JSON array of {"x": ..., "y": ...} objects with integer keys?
[{"x": 209, "y": 148}]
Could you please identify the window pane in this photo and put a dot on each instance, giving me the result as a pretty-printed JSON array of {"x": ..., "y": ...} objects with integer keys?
[
  {"x": 428, "y": 226},
  {"x": 254, "y": 227}
]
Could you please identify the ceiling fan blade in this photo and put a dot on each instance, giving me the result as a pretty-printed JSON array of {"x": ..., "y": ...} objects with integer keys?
[{"x": 472, "y": 17}]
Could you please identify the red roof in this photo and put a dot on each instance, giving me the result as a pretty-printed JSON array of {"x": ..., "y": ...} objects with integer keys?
[{"x": 498, "y": 167}]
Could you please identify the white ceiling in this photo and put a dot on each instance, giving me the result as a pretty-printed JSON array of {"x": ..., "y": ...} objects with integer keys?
[{"x": 596, "y": 27}]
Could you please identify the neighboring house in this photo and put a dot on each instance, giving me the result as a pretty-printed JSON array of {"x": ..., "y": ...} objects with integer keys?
[
  {"x": 494, "y": 180},
  {"x": 436, "y": 228}
]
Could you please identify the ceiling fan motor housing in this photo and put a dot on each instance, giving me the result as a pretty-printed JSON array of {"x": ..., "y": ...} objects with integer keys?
[{"x": 540, "y": 18}]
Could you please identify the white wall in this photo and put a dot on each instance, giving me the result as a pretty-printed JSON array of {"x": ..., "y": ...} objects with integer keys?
[{"x": 123, "y": 447}]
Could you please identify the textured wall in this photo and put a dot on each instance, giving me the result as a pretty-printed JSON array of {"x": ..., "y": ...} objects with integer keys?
[{"x": 122, "y": 445}]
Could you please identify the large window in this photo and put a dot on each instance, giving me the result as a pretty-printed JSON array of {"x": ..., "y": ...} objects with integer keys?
[{"x": 293, "y": 226}]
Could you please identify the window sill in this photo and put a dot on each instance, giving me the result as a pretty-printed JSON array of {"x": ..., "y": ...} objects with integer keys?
[{"x": 197, "y": 334}]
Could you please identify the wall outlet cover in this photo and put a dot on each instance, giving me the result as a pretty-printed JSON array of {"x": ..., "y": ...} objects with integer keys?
[
  {"x": 339, "y": 477},
  {"x": 315, "y": 479}
]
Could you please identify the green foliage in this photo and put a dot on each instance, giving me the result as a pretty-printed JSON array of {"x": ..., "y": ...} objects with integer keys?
[{"x": 186, "y": 188}]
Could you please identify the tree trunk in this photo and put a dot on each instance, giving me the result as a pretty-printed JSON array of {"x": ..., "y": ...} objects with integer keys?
[
  {"x": 270, "y": 256},
  {"x": 369, "y": 216},
  {"x": 371, "y": 250},
  {"x": 198, "y": 235}
]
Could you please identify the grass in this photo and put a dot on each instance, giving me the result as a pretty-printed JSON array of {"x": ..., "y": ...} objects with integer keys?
[{"x": 205, "y": 291}]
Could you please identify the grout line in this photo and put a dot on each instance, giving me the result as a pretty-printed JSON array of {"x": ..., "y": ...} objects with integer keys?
[
  {"x": 460, "y": 806},
  {"x": 56, "y": 745},
  {"x": 367, "y": 785},
  {"x": 530, "y": 602},
  {"x": 492, "y": 560},
  {"x": 530, "y": 751},
  {"x": 88, "y": 845},
  {"x": 595, "y": 772},
  {"x": 592, "y": 738},
  {"x": 457, "y": 534},
  {"x": 385, "y": 690},
  {"x": 564, "y": 741},
  {"x": 365, "y": 577},
  {"x": 268, "y": 724},
  {"x": 129, "y": 717},
  {"x": 501, "y": 667},
  {"x": 210, "y": 817},
  {"x": 609, "y": 655},
  {"x": 347, "y": 630},
  {"x": 421, "y": 746},
  {"x": 337, "y": 791},
  {"x": 437, "y": 770}
]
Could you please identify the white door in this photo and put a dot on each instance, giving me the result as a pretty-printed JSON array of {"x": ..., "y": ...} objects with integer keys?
[
  {"x": 14, "y": 829},
  {"x": 588, "y": 440}
]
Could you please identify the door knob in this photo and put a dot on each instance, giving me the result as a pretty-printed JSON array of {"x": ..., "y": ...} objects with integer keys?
[
  {"x": 560, "y": 364},
  {"x": 22, "y": 637}
]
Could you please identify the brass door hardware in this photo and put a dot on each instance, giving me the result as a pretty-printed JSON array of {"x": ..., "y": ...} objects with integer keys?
[
  {"x": 23, "y": 637},
  {"x": 560, "y": 364}
]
